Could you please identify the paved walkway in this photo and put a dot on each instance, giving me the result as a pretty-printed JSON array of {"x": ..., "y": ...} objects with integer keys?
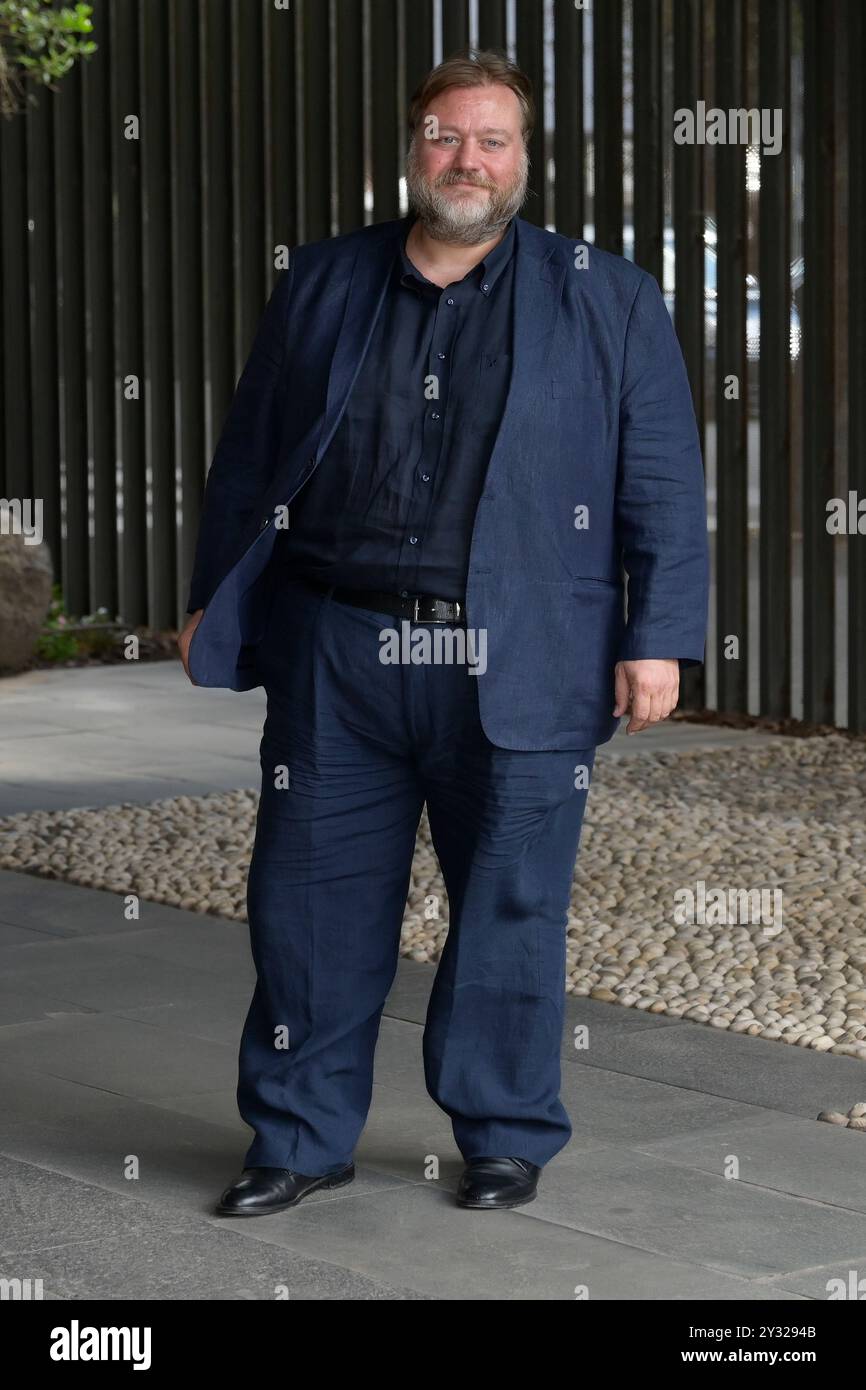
[{"x": 118, "y": 1055}]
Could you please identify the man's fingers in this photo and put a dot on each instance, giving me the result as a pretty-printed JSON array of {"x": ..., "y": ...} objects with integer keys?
[
  {"x": 621, "y": 692},
  {"x": 641, "y": 706},
  {"x": 646, "y": 690}
]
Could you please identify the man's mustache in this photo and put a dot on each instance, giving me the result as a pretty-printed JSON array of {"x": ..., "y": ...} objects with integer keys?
[{"x": 462, "y": 178}]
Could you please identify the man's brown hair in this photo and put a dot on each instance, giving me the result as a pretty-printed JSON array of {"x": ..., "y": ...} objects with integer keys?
[{"x": 474, "y": 68}]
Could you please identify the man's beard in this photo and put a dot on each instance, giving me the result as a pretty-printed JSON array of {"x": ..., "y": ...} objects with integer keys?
[{"x": 467, "y": 221}]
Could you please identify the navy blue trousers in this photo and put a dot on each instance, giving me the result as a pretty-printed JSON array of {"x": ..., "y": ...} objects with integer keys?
[{"x": 351, "y": 750}]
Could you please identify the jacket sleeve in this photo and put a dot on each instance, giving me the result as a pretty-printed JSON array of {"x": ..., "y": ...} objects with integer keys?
[
  {"x": 245, "y": 455},
  {"x": 660, "y": 502}
]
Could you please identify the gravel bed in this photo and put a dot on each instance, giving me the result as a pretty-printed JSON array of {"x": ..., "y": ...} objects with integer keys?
[{"x": 787, "y": 818}]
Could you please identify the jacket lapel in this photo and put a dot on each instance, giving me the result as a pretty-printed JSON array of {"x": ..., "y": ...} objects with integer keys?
[
  {"x": 539, "y": 275},
  {"x": 369, "y": 281}
]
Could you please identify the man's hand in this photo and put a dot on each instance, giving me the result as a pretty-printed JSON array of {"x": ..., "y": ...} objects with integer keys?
[
  {"x": 648, "y": 689},
  {"x": 184, "y": 637}
]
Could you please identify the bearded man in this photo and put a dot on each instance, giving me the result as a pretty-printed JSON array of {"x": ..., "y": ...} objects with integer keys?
[{"x": 454, "y": 420}]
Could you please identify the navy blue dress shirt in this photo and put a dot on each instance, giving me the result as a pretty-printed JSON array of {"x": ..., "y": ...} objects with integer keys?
[{"x": 392, "y": 503}]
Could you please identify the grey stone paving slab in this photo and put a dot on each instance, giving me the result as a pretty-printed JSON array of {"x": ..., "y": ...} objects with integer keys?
[
  {"x": 31, "y": 761},
  {"x": 19, "y": 936},
  {"x": 96, "y": 976},
  {"x": 783, "y": 1153},
  {"x": 410, "y": 991},
  {"x": 19, "y": 1005},
  {"x": 843, "y": 1281},
  {"x": 97, "y": 788},
  {"x": 731, "y": 1065},
  {"x": 399, "y": 1056},
  {"x": 202, "y": 943},
  {"x": 23, "y": 724},
  {"x": 85, "y": 1242},
  {"x": 210, "y": 1264},
  {"x": 617, "y": 1108},
  {"x": 684, "y": 1213},
  {"x": 416, "y": 1237},
  {"x": 185, "y": 1162},
  {"x": 118, "y": 1054},
  {"x": 215, "y": 1017},
  {"x": 42, "y": 1210},
  {"x": 67, "y": 909},
  {"x": 218, "y": 1107}
]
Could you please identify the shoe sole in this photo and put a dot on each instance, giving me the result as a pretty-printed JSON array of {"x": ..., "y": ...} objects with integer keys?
[
  {"x": 329, "y": 1180},
  {"x": 496, "y": 1206}
]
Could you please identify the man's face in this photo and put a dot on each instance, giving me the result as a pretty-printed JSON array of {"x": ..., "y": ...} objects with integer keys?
[{"x": 469, "y": 178}]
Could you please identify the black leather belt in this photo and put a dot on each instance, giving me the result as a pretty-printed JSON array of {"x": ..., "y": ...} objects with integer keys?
[{"x": 418, "y": 608}]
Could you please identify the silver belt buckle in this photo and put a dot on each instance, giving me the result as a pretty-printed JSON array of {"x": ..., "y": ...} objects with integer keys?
[{"x": 454, "y": 602}]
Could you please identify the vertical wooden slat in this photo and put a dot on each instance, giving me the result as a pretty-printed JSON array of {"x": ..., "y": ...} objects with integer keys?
[
  {"x": 491, "y": 24},
  {"x": 688, "y": 216},
  {"x": 72, "y": 335},
  {"x": 774, "y": 366},
  {"x": 220, "y": 293},
  {"x": 417, "y": 22},
  {"x": 99, "y": 291},
  {"x": 187, "y": 284},
  {"x": 455, "y": 26},
  {"x": 818, "y": 368},
  {"x": 42, "y": 364},
  {"x": 158, "y": 275},
  {"x": 385, "y": 150},
  {"x": 129, "y": 314},
  {"x": 731, "y": 364},
  {"x": 18, "y": 479},
  {"x": 349, "y": 83},
  {"x": 648, "y": 158},
  {"x": 282, "y": 125},
  {"x": 607, "y": 124},
  {"x": 688, "y": 224},
  {"x": 530, "y": 56},
  {"x": 253, "y": 266},
  {"x": 856, "y": 39},
  {"x": 569, "y": 151},
  {"x": 313, "y": 148}
]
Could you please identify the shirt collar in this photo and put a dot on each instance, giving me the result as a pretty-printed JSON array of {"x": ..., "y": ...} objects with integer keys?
[{"x": 486, "y": 273}]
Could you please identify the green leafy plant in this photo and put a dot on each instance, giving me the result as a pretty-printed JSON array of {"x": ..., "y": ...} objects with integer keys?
[
  {"x": 39, "y": 44},
  {"x": 54, "y": 642}
]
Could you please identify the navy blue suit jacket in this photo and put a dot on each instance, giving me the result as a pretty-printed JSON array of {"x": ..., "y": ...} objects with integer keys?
[{"x": 596, "y": 471}]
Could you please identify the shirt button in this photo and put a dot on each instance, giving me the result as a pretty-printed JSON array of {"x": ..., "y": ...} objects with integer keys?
[
  {"x": 449, "y": 301},
  {"x": 413, "y": 540},
  {"x": 404, "y": 593},
  {"x": 441, "y": 356},
  {"x": 425, "y": 477},
  {"x": 434, "y": 415},
  {"x": 485, "y": 288}
]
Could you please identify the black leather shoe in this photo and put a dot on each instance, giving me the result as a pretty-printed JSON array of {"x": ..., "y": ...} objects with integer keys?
[
  {"x": 259, "y": 1191},
  {"x": 497, "y": 1183}
]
